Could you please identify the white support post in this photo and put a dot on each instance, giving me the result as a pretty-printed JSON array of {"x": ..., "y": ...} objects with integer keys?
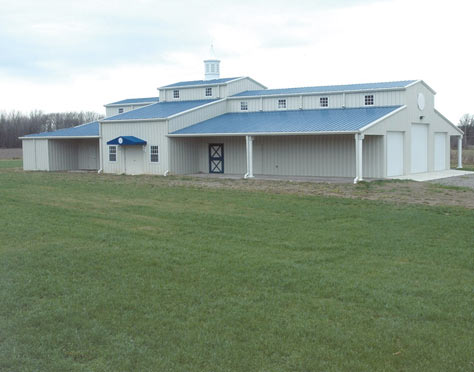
[
  {"x": 460, "y": 152},
  {"x": 249, "y": 145},
  {"x": 358, "y": 152}
]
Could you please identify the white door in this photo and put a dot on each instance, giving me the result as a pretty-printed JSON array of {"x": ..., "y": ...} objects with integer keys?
[
  {"x": 394, "y": 154},
  {"x": 133, "y": 159},
  {"x": 439, "y": 151},
  {"x": 419, "y": 148}
]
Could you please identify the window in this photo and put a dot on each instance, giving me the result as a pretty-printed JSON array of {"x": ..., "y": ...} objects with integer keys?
[
  {"x": 244, "y": 106},
  {"x": 323, "y": 102},
  {"x": 282, "y": 103},
  {"x": 112, "y": 153},
  {"x": 176, "y": 93},
  {"x": 154, "y": 154},
  {"x": 369, "y": 100},
  {"x": 208, "y": 92},
  {"x": 120, "y": 110}
]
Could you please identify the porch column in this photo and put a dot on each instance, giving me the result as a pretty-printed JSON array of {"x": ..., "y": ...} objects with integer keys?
[
  {"x": 358, "y": 152},
  {"x": 460, "y": 152},
  {"x": 249, "y": 146}
]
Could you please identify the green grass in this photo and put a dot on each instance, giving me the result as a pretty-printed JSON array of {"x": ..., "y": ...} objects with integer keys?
[
  {"x": 115, "y": 273},
  {"x": 11, "y": 163}
]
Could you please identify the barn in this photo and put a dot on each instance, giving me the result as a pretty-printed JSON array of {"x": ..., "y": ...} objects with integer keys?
[{"x": 238, "y": 126}]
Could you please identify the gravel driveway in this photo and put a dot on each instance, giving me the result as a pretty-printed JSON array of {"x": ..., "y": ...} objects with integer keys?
[{"x": 463, "y": 181}]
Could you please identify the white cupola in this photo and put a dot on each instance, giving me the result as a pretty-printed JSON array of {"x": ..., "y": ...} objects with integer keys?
[{"x": 211, "y": 66}]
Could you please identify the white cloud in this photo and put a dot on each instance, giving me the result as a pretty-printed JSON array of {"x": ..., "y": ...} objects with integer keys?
[{"x": 79, "y": 55}]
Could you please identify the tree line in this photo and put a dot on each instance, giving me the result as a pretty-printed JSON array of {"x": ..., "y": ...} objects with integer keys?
[
  {"x": 466, "y": 124},
  {"x": 16, "y": 124}
]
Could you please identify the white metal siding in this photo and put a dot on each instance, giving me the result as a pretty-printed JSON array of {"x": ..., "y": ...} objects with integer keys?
[
  {"x": 373, "y": 157},
  {"x": 152, "y": 132},
  {"x": 242, "y": 85},
  {"x": 63, "y": 154},
  {"x": 395, "y": 152},
  {"x": 196, "y": 116},
  {"x": 42, "y": 157},
  {"x": 419, "y": 148},
  {"x": 88, "y": 154},
  {"x": 440, "y": 146},
  {"x": 312, "y": 102},
  {"x": 29, "y": 154}
]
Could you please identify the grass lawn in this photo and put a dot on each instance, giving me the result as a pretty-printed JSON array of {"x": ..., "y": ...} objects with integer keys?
[
  {"x": 111, "y": 273},
  {"x": 11, "y": 163}
]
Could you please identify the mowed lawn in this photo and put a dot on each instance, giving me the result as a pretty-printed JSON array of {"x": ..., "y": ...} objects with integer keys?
[{"x": 116, "y": 273}]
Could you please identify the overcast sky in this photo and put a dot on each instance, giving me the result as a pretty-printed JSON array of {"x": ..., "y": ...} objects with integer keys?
[{"x": 60, "y": 55}]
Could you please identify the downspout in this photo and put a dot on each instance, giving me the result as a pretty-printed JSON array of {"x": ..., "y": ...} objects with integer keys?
[{"x": 101, "y": 160}]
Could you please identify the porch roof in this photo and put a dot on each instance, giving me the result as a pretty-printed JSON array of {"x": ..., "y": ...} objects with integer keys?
[
  {"x": 322, "y": 121},
  {"x": 87, "y": 130}
]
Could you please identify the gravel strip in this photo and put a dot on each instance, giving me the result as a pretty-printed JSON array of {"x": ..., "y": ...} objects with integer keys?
[{"x": 462, "y": 181}]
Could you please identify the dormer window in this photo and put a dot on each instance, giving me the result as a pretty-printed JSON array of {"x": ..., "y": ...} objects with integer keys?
[
  {"x": 324, "y": 101},
  {"x": 244, "y": 106},
  {"x": 120, "y": 110},
  {"x": 369, "y": 100},
  {"x": 282, "y": 103},
  {"x": 176, "y": 93},
  {"x": 208, "y": 92}
]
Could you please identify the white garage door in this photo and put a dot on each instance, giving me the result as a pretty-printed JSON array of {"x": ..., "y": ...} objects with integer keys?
[
  {"x": 440, "y": 151},
  {"x": 133, "y": 159},
  {"x": 419, "y": 148},
  {"x": 394, "y": 154}
]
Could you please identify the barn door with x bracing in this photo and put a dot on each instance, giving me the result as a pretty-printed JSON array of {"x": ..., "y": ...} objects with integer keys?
[{"x": 216, "y": 158}]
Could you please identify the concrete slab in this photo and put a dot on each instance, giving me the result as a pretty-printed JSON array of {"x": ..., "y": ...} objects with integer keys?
[{"x": 429, "y": 176}]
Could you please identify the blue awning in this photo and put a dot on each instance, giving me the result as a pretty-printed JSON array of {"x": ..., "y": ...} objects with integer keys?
[{"x": 126, "y": 141}]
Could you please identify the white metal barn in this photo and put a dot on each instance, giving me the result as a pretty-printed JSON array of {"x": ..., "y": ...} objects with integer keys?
[{"x": 238, "y": 126}]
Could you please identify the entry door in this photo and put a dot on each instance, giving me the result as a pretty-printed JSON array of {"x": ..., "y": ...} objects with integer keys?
[
  {"x": 439, "y": 151},
  {"x": 216, "y": 158},
  {"x": 133, "y": 160},
  {"x": 394, "y": 154},
  {"x": 419, "y": 148}
]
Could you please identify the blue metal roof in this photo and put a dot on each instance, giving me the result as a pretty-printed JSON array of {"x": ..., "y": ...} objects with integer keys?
[
  {"x": 199, "y": 82},
  {"x": 294, "y": 121},
  {"x": 136, "y": 100},
  {"x": 159, "y": 110},
  {"x": 83, "y": 130},
  {"x": 326, "y": 89},
  {"x": 127, "y": 141}
]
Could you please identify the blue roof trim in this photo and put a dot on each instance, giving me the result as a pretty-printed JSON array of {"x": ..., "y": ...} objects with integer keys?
[
  {"x": 199, "y": 82},
  {"x": 294, "y": 121},
  {"x": 127, "y": 141},
  {"x": 159, "y": 110},
  {"x": 135, "y": 100},
  {"x": 83, "y": 130},
  {"x": 326, "y": 89}
]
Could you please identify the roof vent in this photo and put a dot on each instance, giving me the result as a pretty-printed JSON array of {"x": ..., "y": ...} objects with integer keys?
[{"x": 211, "y": 66}]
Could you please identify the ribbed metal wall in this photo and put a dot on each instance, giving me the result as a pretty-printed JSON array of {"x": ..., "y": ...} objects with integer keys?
[
  {"x": 63, "y": 155},
  {"x": 153, "y": 132},
  {"x": 241, "y": 86},
  {"x": 283, "y": 155},
  {"x": 311, "y": 102},
  {"x": 88, "y": 154},
  {"x": 196, "y": 116},
  {"x": 29, "y": 154}
]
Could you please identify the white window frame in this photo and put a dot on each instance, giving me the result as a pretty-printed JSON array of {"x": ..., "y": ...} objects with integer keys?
[
  {"x": 157, "y": 153},
  {"x": 244, "y": 106},
  {"x": 176, "y": 93},
  {"x": 324, "y": 101},
  {"x": 114, "y": 153},
  {"x": 282, "y": 103},
  {"x": 209, "y": 92},
  {"x": 120, "y": 110},
  {"x": 369, "y": 100}
]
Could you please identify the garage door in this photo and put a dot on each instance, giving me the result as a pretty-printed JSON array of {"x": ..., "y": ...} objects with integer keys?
[
  {"x": 440, "y": 151},
  {"x": 419, "y": 148},
  {"x": 394, "y": 154},
  {"x": 133, "y": 159}
]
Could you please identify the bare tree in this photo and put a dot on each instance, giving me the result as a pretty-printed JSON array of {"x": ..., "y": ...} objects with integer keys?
[{"x": 466, "y": 124}]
